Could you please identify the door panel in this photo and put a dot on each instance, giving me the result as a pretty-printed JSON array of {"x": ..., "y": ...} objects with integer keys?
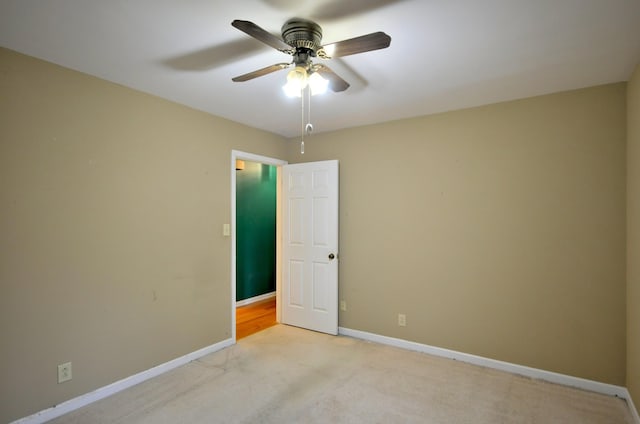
[
  {"x": 296, "y": 286},
  {"x": 310, "y": 236},
  {"x": 296, "y": 223},
  {"x": 320, "y": 281}
]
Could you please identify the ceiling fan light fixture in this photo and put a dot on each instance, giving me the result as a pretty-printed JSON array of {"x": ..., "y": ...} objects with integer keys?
[{"x": 298, "y": 79}]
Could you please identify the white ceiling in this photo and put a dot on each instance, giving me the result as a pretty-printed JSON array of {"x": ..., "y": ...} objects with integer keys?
[{"x": 444, "y": 54}]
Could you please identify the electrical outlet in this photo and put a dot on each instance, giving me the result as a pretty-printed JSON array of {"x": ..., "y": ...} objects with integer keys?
[
  {"x": 64, "y": 372},
  {"x": 343, "y": 305},
  {"x": 402, "y": 320}
]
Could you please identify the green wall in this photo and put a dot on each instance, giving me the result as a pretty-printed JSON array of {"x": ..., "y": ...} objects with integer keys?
[{"x": 255, "y": 230}]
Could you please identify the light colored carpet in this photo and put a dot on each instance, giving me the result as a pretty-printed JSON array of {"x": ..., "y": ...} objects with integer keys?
[{"x": 288, "y": 375}]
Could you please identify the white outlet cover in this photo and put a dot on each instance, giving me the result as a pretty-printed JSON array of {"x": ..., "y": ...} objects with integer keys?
[{"x": 64, "y": 372}]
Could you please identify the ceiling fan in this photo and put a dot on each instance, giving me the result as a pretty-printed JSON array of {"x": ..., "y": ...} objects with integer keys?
[{"x": 302, "y": 38}]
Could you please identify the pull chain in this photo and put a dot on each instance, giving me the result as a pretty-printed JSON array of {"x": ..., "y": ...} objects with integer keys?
[
  {"x": 308, "y": 128},
  {"x": 302, "y": 120}
]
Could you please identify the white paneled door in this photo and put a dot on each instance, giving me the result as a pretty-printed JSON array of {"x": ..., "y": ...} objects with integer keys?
[{"x": 310, "y": 246}]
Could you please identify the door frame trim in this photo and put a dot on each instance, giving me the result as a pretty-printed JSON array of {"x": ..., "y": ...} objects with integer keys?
[{"x": 251, "y": 157}]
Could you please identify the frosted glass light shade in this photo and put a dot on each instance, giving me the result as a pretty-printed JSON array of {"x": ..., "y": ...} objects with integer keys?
[
  {"x": 318, "y": 84},
  {"x": 296, "y": 81}
]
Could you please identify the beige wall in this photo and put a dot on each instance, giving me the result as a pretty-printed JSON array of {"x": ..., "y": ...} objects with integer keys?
[
  {"x": 499, "y": 230},
  {"x": 633, "y": 237},
  {"x": 111, "y": 255}
]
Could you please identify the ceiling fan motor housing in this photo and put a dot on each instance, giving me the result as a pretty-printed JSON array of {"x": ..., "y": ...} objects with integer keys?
[{"x": 302, "y": 33}]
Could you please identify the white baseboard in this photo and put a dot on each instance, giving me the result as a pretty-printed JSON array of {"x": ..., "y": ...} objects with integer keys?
[
  {"x": 255, "y": 299},
  {"x": 113, "y": 388},
  {"x": 632, "y": 407},
  {"x": 566, "y": 380}
]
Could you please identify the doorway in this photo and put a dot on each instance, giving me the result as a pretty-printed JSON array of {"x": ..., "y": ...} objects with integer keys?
[{"x": 258, "y": 310}]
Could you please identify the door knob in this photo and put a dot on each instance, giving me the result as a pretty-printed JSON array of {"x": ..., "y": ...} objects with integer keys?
[{"x": 331, "y": 256}]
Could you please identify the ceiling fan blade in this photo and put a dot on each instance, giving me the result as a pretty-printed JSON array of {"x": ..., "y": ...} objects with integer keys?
[
  {"x": 261, "y": 72},
  {"x": 364, "y": 43},
  {"x": 260, "y": 34},
  {"x": 336, "y": 83}
]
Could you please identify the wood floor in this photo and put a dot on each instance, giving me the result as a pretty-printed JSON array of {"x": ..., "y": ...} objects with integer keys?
[{"x": 255, "y": 317}]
